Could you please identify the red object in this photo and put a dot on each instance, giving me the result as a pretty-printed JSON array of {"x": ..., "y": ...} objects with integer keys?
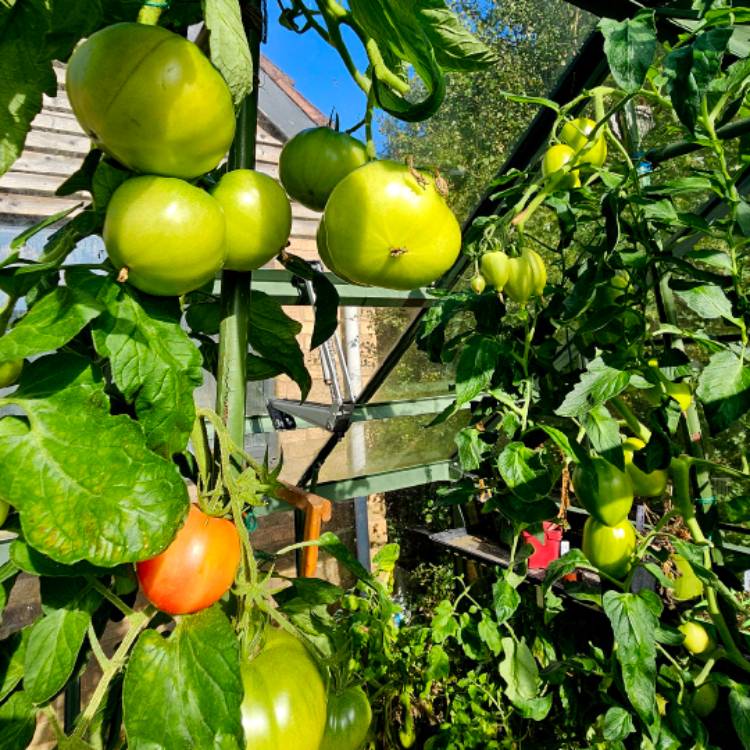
[{"x": 548, "y": 550}]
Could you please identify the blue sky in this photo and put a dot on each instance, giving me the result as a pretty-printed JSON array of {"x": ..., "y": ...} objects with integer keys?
[{"x": 317, "y": 70}]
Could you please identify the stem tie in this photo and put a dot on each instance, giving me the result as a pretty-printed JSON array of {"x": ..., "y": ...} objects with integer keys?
[
  {"x": 642, "y": 166},
  {"x": 162, "y": 4}
]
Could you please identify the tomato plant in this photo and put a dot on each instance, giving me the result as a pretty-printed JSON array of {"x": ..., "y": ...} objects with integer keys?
[
  {"x": 166, "y": 233},
  {"x": 258, "y": 218},
  {"x": 196, "y": 569},
  {"x": 315, "y": 161},
  {"x": 387, "y": 225}
]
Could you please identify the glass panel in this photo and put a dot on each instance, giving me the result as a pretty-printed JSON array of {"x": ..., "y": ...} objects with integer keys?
[{"x": 388, "y": 444}]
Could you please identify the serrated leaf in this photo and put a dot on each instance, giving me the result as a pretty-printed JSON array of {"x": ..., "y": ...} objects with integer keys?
[
  {"x": 17, "y": 722},
  {"x": 444, "y": 624},
  {"x": 470, "y": 447},
  {"x": 83, "y": 481},
  {"x": 634, "y": 625},
  {"x": 53, "y": 321},
  {"x": 617, "y": 724},
  {"x": 230, "y": 52},
  {"x": 739, "y": 709},
  {"x": 438, "y": 664},
  {"x": 505, "y": 600},
  {"x": 25, "y": 74},
  {"x": 272, "y": 335},
  {"x": 724, "y": 390},
  {"x": 456, "y": 48},
  {"x": 603, "y": 431},
  {"x": 490, "y": 634},
  {"x": 569, "y": 562},
  {"x": 56, "y": 639},
  {"x": 185, "y": 690},
  {"x": 598, "y": 385},
  {"x": 708, "y": 301},
  {"x": 475, "y": 368},
  {"x": 524, "y": 471},
  {"x": 153, "y": 362},
  {"x": 630, "y": 47},
  {"x": 12, "y": 656}
]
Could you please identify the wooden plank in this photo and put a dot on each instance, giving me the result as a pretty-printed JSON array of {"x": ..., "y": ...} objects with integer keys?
[
  {"x": 29, "y": 183},
  {"x": 52, "y": 164},
  {"x": 58, "y": 143},
  {"x": 33, "y": 206},
  {"x": 58, "y": 122}
]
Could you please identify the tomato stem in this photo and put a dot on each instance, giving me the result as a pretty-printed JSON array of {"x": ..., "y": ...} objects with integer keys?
[{"x": 151, "y": 11}]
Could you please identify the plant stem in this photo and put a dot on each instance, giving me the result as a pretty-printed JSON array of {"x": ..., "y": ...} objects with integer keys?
[
  {"x": 638, "y": 429},
  {"x": 150, "y": 12},
  {"x": 231, "y": 378}
]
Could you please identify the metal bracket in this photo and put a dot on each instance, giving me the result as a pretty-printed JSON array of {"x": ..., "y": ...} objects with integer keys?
[{"x": 336, "y": 416}]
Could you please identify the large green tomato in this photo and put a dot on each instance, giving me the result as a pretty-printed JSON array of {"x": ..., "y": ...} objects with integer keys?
[
  {"x": 10, "y": 371},
  {"x": 609, "y": 548},
  {"x": 284, "y": 707},
  {"x": 697, "y": 639},
  {"x": 167, "y": 233},
  {"x": 527, "y": 276},
  {"x": 604, "y": 490},
  {"x": 555, "y": 158},
  {"x": 651, "y": 484},
  {"x": 705, "y": 699},
  {"x": 349, "y": 717},
  {"x": 575, "y": 133},
  {"x": 258, "y": 217},
  {"x": 387, "y": 225},
  {"x": 687, "y": 585},
  {"x": 315, "y": 161},
  {"x": 151, "y": 99}
]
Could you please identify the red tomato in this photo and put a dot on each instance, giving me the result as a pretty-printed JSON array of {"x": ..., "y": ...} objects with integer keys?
[{"x": 196, "y": 569}]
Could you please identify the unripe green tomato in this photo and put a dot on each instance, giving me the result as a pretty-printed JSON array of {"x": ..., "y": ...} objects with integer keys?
[
  {"x": 687, "y": 585},
  {"x": 610, "y": 293},
  {"x": 322, "y": 244},
  {"x": 388, "y": 226},
  {"x": 575, "y": 133},
  {"x": 4, "y": 510},
  {"x": 697, "y": 639},
  {"x": 478, "y": 284},
  {"x": 315, "y": 161},
  {"x": 10, "y": 371},
  {"x": 705, "y": 699},
  {"x": 651, "y": 484},
  {"x": 166, "y": 232},
  {"x": 284, "y": 706},
  {"x": 258, "y": 218},
  {"x": 527, "y": 276},
  {"x": 495, "y": 267},
  {"x": 603, "y": 490},
  {"x": 555, "y": 158},
  {"x": 609, "y": 548},
  {"x": 348, "y": 720},
  {"x": 151, "y": 99}
]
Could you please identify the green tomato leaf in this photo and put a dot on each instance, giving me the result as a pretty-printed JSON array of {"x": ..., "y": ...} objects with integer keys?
[
  {"x": 568, "y": 563},
  {"x": 12, "y": 657},
  {"x": 259, "y": 368},
  {"x": 25, "y": 74},
  {"x": 630, "y": 47},
  {"x": 707, "y": 300},
  {"x": 471, "y": 448},
  {"x": 490, "y": 634},
  {"x": 524, "y": 471},
  {"x": 83, "y": 177},
  {"x": 634, "y": 625},
  {"x": 336, "y": 548},
  {"x": 505, "y": 600},
  {"x": 53, "y": 321},
  {"x": 69, "y": 23},
  {"x": 84, "y": 482},
  {"x": 56, "y": 639},
  {"x": 604, "y": 432},
  {"x": 185, "y": 690},
  {"x": 456, "y": 48},
  {"x": 475, "y": 368},
  {"x": 153, "y": 362},
  {"x": 444, "y": 624},
  {"x": 438, "y": 664},
  {"x": 326, "y": 298},
  {"x": 617, "y": 724},
  {"x": 33, "y": 562},
  {"x": 739, "y": 709},
  {"x": 724, "y": 390},
  {"x": 272, "y": 335},
  {"x": 598, "y": 385},
  {"x": 520, "y": 672},
  {"x": 17, "y": 721},
  {"x": 230, "y": 52}
]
